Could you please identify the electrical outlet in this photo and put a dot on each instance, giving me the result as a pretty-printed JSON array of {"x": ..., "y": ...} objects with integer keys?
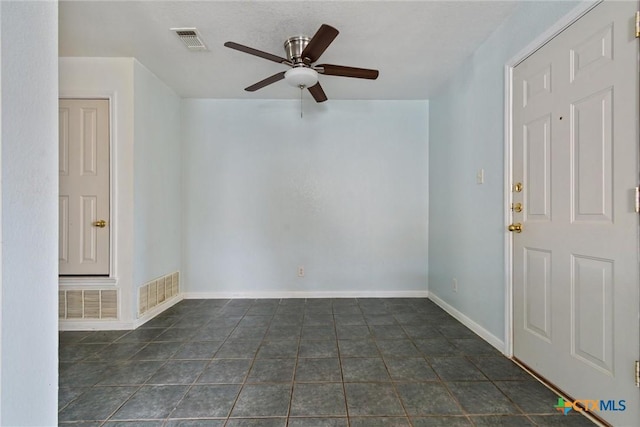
[
  {"x": 480, "y": 176},
  {"x": 301, "y": 271},
  {"x": 454, "y": 285}
]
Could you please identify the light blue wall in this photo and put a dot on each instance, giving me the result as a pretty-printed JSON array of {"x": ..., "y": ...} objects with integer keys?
[
  {"x": 342, "y": 192},
  {"x": 29, "y": 189},
  {"x": 466, "y": 233},
  {"x": 157, "y": 177}
]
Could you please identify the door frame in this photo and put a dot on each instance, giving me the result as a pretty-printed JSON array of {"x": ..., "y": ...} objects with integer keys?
[
  {"x": 562, "y": 24},
  {"x": 111, "y": 279}
]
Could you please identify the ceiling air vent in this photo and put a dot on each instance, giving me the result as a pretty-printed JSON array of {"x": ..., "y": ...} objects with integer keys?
[{"x": 190, "y": 38}]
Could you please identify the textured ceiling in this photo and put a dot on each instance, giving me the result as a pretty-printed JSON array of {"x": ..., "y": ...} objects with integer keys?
[{"x": 414, "y": 44}]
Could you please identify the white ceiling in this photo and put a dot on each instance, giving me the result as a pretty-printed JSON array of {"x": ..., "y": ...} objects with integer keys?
[{"x": 414, "y": 44}]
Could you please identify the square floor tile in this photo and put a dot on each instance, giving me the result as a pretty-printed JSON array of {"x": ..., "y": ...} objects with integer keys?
[
  {"x": 317, "y": 370},
  {"x": 456, "y": 369},
  {"x": 422, "y": 332},
  {"x": 353, "y": 332},
  {"x": 257, "y": 422},
  {"x": 202, "y": 350},
  {"x": 427, "y": 399},
  {"x": 440, "y": 421},
  {"x": 349, "y": 319},
  {"x": 178, "y": 372},
  {"x": 278, "y": 349},
  {"x": 157, "y": 351},
  {"x": 500, "y": 368},
  {"x": 482, "y": 398},
  {"x": 502, "y": 420},
  {"x": 372, "y": 399},
  {"x": 397, "y": 348},
  {"x": 82, "y": 374},
  {"x": 456, "y": 330},
  {"x": 151, "y": 402},
  {"x": 103, "y": 337},
  {"x": 436, "y": 347},
  {"x": 263, "y": 400},
  {"x": 364, "y": 370},
  {"x": 318, "y": 422},
  {"x": 358, "y": 348},
  {"x": 312, "y": 399},
  {"x": 141, "y": 335},
  {"x": 475, "y": 346},
  {"x": 284, "y": 332},
  {"x": 380, "y": 422},
  {"x": 272, "y": 371},
  {"x": 317, "y": 349},
  {"x": 96, "y": 404},
  {"x": 318, "y": 318},
  {"x": 130, "y": 372},
  {"x": 531, "y": 396},
  {"x": 67, "y": 394},
  {"x": 238, "y": 349},
  {"x": 195, "y": 423},
  {"x": 116, "y": 352},
  {"x": 320, "y": 332},
  {"x": 248, "y": 332},
  {"x": 212, "y": 333},
  {"x": 78, "y": 352},
  {"x": 410, "y": 370},
  {"x": 561, "y": 421},
  {"x": 207, "y": 401},
  {"x": 226, "y": 371},
  {"x": 383, "y": 332},
  {"x": 380, "y": 319}
]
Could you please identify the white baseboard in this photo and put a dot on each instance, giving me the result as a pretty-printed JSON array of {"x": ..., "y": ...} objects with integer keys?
[
  {"x": 150, "y": 314},
  {"x": 94, "y": 325},
  {"x": 307, "y": 294},
  {"x": 469, "y": 323}
]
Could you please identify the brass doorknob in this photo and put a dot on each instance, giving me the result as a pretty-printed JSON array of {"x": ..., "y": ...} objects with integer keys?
[
  {"x": 517, "y": 227},
  {"x": 100, "y": 224}
]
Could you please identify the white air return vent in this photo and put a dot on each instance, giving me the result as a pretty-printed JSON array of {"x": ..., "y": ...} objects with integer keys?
[{"x": 190, "y": 38}]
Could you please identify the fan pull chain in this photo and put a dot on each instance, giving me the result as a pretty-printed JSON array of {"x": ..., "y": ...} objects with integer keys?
[{"x": 301, "y": 88}]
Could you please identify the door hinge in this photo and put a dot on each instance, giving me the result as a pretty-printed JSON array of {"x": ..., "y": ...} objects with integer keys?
[
  {"x": 638, "y": 24},
  {"x": 638, "y": 373},
  {"x": 637, "y": 199}
]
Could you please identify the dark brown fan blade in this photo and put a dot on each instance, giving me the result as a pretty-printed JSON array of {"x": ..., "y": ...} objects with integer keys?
[
  {"x": 265, "y": 82},
  {"x": 319, "y": 42},
  {"x": 317, "y": 93},
  {"x": 340, "y": 70},
  {"x": 256, "y": 52}
]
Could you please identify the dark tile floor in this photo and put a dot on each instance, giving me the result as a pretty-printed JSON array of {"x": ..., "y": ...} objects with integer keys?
[{"x": 297, "y": 363}]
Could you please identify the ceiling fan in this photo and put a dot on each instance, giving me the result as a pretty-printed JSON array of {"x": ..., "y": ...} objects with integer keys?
[{"x": 302, "y": 52}]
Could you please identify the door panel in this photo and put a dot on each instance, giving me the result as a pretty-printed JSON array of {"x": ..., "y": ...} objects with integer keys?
[
  {"x": 84, "y": 187},
  {"x": 576, "y": 295}
]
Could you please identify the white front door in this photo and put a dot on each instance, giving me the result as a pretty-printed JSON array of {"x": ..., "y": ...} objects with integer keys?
[
  {"x": 84, "y": 187},
  {"x": 575, "y": 263}
]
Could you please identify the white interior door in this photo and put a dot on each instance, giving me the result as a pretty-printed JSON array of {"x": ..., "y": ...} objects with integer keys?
[
  {"x": 575, "y": 150},
  {"x": 84, "y": 187}
]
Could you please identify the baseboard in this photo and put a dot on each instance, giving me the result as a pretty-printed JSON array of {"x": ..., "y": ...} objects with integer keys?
[
  {"x": 95, "y": 325},
  {"x": 150, "y": 314},
  {"x": 469, "y": 323},
  {"x": 306, "y": 294}
]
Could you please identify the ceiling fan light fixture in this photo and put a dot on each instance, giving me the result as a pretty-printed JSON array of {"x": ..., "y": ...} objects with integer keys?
[{"x": 301, "y": 77}]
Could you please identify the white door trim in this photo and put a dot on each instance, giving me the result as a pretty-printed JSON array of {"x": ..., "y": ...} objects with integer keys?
[
  {"x": 113, "y": 190},
  {"x": 536, "y": 44}
]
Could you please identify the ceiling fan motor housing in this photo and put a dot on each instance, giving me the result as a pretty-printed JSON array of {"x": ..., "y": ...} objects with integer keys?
[{"x": 294, "y": 47}]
